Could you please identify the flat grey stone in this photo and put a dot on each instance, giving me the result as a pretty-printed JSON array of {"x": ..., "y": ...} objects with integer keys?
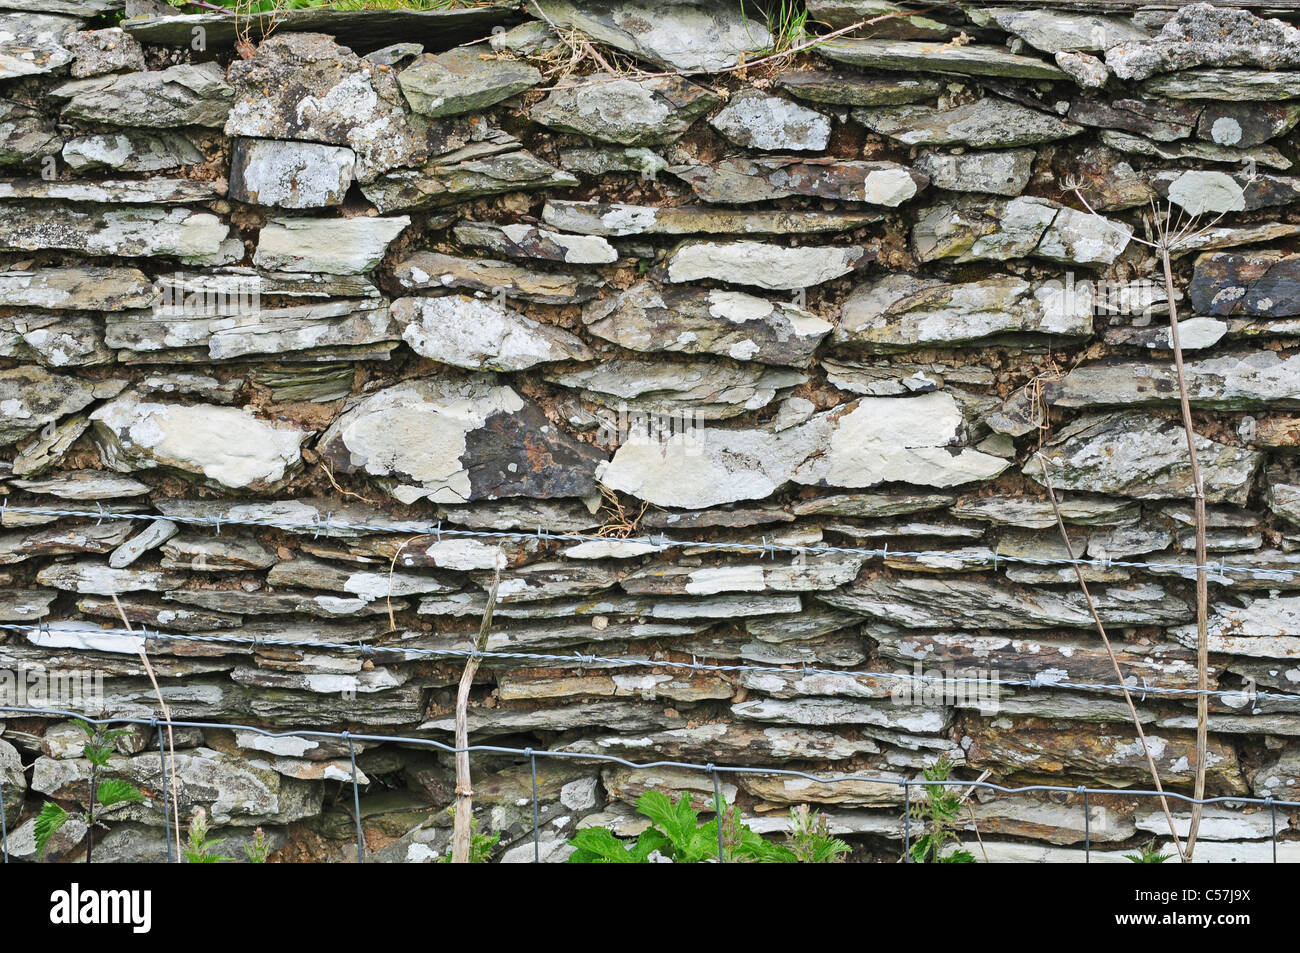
[
  {"x": 687, "y": 320},
  {"x": 434, "y": 270},
  {"x": 762, "y": 265},
  {"x": 1233, "y": 85},
  {"x": 1140, "y": 456},
  {"x": 154, "y": 534},
  {"x": 463, "y": 175},
  {"x": 862, "y": 444},
  {"x": 338, "y": 323},
  {"x": 900, "y": 312},
  {"x": 84, "y": 485},
  {"x": 617, "y": 219},
  {"x": 33, "y": 397},
  {"x": 31, "y": 43},
  {"x": 757, "y": 121},
  {"x": 985, "y": 123},
  {"x": 193, "y": 438},
  {"x": 457, "y": 441},
  {"x": 161, "y": 191},
  {"x": 679, "y": 36},
  {"x": 857, "y": 89},
  {"x": 131, "y": 151},
  {"x": 740, "y": 180},
  {"x": 185, "y": 95},
  {"x": 1001, "y": 172},
  {"x": 941, "y": 602},
  {"x": 195, "y": 237},
  {"x": 334, "y": 246},
  {"x": 481, "y": 335},
  {"x": 1052, "y": 31},
  {"x": 463, "y": 79},
  {"x": 289, "y": 174},
  {"x": 103, "y": 51},
  {"x": 625, "y": 110},
  {"x": 520, "y": 240},
  {"x": 1241, "y": 380},
  {"x": 912, "y": 56}
]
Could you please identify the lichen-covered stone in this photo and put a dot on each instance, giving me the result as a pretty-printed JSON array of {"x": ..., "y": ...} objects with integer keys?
[
  {"x": 985, "y": 123},
  {"x": 1144, "y": 457},
  {"x": 1021, "y": 227},
  {"x": 900, "y": 312},
  {"x": 185, "y": 95},
  {"x": 626, "y": 110},
  {"x": 771, "y": 123},
  {"x": 226, "y": 446},
  {"x": 463, "y": 79},
  {"x": 617, "y": 219},
  {"x": 1201, "y": 34},
  {"x": 739, "y": 180},
  {"x": 481, "y": 335},
  {"x": 679, "y": 36},
  {"x": 457, "y": 441},
  {"x": 31, "y": 397},
  {"x": 1003, "y": 172},
  {"x": 912, "y": 56},
  {"x": 337, "y": 247},
  {"x": 290, "y": 174},
  {"x": 305, "y": 86},
  {"x": 103, "y": 51},
  {"x": 857, "y": 89},
  {"x": 762, "y": 265},
  {"x": 31, "y": 43},
  {"x": 26, "y": 136},
  {"x": 131, "y": 151},
  {"x": 871, "y": 441},
  {"x": 687, "y": 320}
]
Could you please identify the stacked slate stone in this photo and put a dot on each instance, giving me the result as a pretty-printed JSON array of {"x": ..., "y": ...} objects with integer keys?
[{"x": 374, "y": 269}]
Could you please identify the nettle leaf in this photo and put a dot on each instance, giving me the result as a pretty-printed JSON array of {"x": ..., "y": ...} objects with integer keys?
[
  {"x": 598, "y": 845},
  {"x": 114, "y": 791},
  {"x": 48, "y": 822},
  {"x": 650, "y": 841},
  {"x": 97, "y": 754},
  {"x": 677, "y": 821}
]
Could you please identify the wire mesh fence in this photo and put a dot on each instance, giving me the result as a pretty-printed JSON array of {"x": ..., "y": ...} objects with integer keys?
[{"x": 910, "y": 787}]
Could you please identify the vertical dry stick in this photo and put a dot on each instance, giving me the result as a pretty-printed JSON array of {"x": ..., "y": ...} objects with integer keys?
[
  {"x": 1119, "y": 676},
  {"x": 463, "y": 832},
  {"x": 171, "y": 739},
  {"x": 1202, "y": 593}
]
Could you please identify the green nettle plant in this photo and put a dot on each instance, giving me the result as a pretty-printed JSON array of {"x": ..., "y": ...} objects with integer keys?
[
  {"x": 481, "y": 845},
  {"x": 260, "y": 849},
  {"x": 677, "y": 835},
  {"x": 198, "y": 849},
  {"x": 1148, "y": 853},
  {"x": 106, "y": 793},
  {"x": 938, "y": 816}
]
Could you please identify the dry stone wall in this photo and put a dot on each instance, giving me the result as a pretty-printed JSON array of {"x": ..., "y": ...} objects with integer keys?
[{"x": 295, "y": 299}]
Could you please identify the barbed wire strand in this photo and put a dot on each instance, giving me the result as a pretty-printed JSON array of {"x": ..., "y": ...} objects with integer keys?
[
  {"x": 708, "y": 767},
  {"x": 1049, "y": 679}
]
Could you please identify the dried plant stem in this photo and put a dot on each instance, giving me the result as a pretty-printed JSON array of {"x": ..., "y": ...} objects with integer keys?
[
  {"x": 171, "y": 738},
  {"x": 463, "y": 830},
  {"x": 1202, "y": 588},
  {"x": 1110, "y": 652}
]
